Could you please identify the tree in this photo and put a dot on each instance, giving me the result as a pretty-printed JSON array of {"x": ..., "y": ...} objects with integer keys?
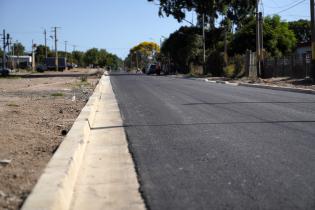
[
  {"x": 113, "y": 61},
  {"x": 91, "y": 57},
  {"x": 40, "y": 53},
  {"x": 235, "y": 10},
  {"x": 184, "y": 46},
  {"x": 18, "y": 49},
  {"x": 278, "y": 38},
  {"x": 78, "y": 58},
  {"x": 302, "y": 30},
  {"x": 102, "y": 58},
  {"x": 142, "y": 54}
]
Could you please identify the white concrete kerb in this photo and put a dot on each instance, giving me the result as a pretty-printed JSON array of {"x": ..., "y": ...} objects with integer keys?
[{"x": 54, "y": 189}]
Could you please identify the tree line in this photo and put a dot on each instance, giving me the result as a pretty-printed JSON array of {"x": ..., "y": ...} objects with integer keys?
[
  {"x": 92, "y": 57},
  {"x": 230, "y": 27}
]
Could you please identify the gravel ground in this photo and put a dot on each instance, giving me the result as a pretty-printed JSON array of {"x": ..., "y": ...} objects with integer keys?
[{"x": 35, "y": 114}]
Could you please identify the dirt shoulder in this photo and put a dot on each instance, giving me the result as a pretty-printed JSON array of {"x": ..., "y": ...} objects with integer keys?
[{"x": 35, "y": 114}]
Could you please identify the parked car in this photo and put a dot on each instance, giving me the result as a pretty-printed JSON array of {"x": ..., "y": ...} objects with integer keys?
[
  {"x": 5, "y": 71},
  {"x": 41, "y": 68},
  {"x": 151, "y": 69}
]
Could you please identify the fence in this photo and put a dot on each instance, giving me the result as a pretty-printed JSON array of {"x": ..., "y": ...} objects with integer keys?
[{"x": 295, "y": 66}]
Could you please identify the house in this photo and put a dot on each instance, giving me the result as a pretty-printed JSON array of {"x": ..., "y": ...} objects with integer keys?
[
  {"x": 24, "y": 61},
  {"x": 303, "y": 48}
]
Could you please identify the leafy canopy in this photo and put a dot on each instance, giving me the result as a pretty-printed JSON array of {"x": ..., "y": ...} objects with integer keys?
[
  {"x": 184, "y": 46},
  {"x": 278, "y": 38},
  {"x": 18, "y": 49},
  {"x": 234, "y": 10},
  {"x": 302, "y": 30},
  {"x": 142, "y": 54}
]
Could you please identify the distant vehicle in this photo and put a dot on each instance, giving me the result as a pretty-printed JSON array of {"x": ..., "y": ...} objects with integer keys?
[
  {"x": 41, "y": 68},
  {"x": 151, "y": 69},
  {"x": 51, "y": 63},
  {"x": 5, "y": 71}
]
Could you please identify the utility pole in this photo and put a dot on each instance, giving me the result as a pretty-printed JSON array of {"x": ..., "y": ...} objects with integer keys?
[
  {"x": 204, "y": 43},
  {"x": 261, "y": 43},
  {"x": 257, "y": 39},
  {"x": 45, "y": 34},
  {"x": 3, "y": 56},
  {"x": 56, "y": 50},
  {"x": 12, "y": 53},
  {"x": 313, "y": 38},
  {"x": 33, "y": 56},
  {"x": 66, "y": 42}
]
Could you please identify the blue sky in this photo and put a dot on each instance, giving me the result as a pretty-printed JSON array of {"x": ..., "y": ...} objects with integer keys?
[{"x": 116, "y": 25}]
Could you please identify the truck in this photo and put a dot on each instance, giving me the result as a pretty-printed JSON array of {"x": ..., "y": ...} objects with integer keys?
[{"x": 51, "y": 63}]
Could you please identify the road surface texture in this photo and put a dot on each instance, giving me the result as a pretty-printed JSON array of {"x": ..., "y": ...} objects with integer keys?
[{"x": 198, "y": 145}]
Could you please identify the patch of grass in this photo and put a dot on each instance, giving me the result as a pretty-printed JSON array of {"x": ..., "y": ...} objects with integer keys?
[
  {"x": 229, "y": 71},
  {"x": 10, "y": 77},
  {"x": 12, "y": 105},
  {"x": 79, "y": 84},
  {"x": 57, "y": 94},
  {"x": 83, "y": 78}
]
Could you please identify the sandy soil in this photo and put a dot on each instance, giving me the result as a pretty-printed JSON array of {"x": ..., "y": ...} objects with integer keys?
[{"x": 35, "y": 114}]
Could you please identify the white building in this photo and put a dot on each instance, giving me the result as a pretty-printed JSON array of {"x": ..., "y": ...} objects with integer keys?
[{"x": 303, "y": 48}]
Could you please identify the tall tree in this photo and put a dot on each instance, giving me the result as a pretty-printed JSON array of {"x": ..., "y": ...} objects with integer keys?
[
  {"x": 235, "y": 10},
  {"x": 40, "y": 53},
  {"x": 142, "y": 54},
  {"x": 102, "y": 58},
  {"x": 91, "y": 57},
  {"x": 78, "y": 58},
  {"x": 278, "y": 38},
  {"x": 302, "y": 30},
  {"x": 18, "y": 48},
  {"x": 184, "y": 46}
]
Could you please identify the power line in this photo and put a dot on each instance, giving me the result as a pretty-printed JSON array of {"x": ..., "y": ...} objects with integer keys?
[
  {"x": 283, "y": 6},
  {"x": 294, "y": 5}
]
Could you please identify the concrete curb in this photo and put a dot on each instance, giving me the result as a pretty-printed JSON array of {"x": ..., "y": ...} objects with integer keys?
[
  {"x": 54, "y": 189},
  {"x": 288, "y": 89}
]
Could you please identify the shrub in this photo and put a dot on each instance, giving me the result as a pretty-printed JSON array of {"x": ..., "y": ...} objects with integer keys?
[{"x": 229, "y": 71}]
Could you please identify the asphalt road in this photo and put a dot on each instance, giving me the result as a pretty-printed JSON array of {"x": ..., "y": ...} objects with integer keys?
[{"x": 199, "y": 145}]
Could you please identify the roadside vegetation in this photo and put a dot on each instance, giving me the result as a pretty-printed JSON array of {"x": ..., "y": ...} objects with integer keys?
[
  {"x": 91, "y": 58},
  {"x": 230, "y": 32},
  {"x": 142, "y": 54}
]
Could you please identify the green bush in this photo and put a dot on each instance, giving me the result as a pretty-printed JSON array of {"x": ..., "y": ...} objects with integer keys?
[
  {"x": 239, "y": 63},
  {"x": 229, "y": 71},
  {"x": 215, "y": 64}
]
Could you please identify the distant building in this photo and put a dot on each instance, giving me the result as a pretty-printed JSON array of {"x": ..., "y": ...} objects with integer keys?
[
  {"x": 23, "y": 61},
  {"x": 23, "y": 58},
  {"x": 303, "y": 48}
]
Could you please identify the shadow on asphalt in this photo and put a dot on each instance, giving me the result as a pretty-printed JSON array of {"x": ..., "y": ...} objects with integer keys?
[{"x": 126, "y": 74}]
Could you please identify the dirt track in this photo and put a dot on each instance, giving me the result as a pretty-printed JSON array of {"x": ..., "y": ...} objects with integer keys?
[{"x": 33, "y": 115}]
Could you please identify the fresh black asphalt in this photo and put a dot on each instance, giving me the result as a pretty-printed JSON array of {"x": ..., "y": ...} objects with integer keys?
[{"x": 199, "y": 145}]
